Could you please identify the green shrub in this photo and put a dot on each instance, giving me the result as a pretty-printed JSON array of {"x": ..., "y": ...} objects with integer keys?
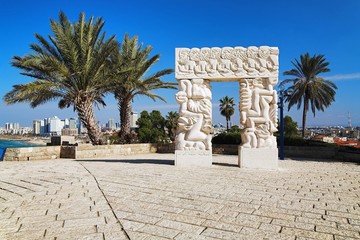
[{"x": 232, "y": 138}]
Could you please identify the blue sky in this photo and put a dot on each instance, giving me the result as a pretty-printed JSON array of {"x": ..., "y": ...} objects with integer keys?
[{"x": 324, "y": 27}]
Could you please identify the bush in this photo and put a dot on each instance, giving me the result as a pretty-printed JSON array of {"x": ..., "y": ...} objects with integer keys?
[{"x": 232, "y": 138}]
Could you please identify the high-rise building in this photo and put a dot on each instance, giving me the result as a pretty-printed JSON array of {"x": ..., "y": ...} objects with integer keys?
[
  {"x": 133, "y": 120},
  {"x": 16, "y": 126},
  {"x": 66, "y": 123},
  {"x": 111, "y": 123},
  {"x": 56, "y": 125},
  {"x": 36, "y": 127},
  {"x": 72, "y": 123},
  {"x": 8, "y": 126}
]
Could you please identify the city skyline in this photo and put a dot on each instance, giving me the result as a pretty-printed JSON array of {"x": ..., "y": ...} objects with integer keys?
[{"x": 205, "y": 24}]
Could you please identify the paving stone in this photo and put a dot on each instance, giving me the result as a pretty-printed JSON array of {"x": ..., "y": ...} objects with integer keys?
[
  {"x": 73, "y": 231},
  {"x": 28, "y": 235},
  {"x": 92, "y": 236},
  {"x": 296, "y": 224},
  {"x": 221, "y": 225},
  {"x": 253, "y": 233},
  {"x": 185, "y": 227},
  {"x": 241, "y": 221},
  {"x": 114, "y": 235},
  {"x": 159, "y": 231},
  {"x": 340, "y": 232},
  {"x": 305, "y": 233},
  {"x": 142, "y": 218},
  {"x": 220, "y": 234},
  {"x": 303, "y": 200},
  {"x": 270, "y": 227},
  {"x": 196, "y": 220},
  {"x": 189, "y": 236},
  {"x": 84, "y": 221}
]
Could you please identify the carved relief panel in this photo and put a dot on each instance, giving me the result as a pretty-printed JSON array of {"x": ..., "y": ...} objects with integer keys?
[
  {"x": 227, "y": 62},
  {"x": 195, "y": 125}
]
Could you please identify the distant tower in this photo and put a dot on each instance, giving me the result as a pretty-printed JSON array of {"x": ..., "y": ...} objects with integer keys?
[
  {"x": 349, "y": 120},
  {"x": 133, "y": 120}
]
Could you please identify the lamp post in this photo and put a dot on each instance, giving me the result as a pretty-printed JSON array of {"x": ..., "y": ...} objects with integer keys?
[{"x": 281, "y": 106}]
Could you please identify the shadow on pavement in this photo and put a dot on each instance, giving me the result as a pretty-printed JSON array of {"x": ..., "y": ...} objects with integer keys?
[
  {"x": 322, "y": 160},
  {"x": 225, "y": 164},
  {"x": 134, "y": 161}
]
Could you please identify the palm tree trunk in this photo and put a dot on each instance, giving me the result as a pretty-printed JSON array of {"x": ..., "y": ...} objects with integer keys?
[
  {"x": 306, "y": 102},
  {"x": 227, "y": 123},
  {"x": 124, "y": 105},
  {"x": 86, "y": 114}
]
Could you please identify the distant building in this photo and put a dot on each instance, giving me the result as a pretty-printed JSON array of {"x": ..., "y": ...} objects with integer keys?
[
  {"x": 8, "y": 126},
  {"x": 111, "y": 124},
  {"x": 133, "y": 120},
  {"x": 37, "y": 127},
  {"x": 72, "y": 123},
  {"x": 56, "y": 125}
]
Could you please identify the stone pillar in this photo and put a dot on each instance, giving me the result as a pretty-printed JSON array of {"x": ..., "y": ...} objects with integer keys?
[
  {"x": 193, "y": 137},
  {"x": 256, "y": 69},
  {"x": 258, "y": 114}
]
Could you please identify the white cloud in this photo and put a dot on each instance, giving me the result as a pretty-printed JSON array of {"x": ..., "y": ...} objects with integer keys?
[{"x": 350, "y": 76}]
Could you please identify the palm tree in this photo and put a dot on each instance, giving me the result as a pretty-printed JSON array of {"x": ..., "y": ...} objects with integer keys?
[
  {"x": 227, "y": 109},
  {"x": 132, "y": 62},
  {"x": 71, "y": 67},
  {"x": 307, "y": 87},
  {"x": 171, "y": 123}
]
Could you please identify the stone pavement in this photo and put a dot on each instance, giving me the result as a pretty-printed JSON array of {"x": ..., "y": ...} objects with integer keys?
[{"x": 145, "y": 197}]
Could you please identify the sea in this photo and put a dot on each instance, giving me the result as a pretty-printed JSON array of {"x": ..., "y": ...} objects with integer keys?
[{"x": 15, "y": 144}]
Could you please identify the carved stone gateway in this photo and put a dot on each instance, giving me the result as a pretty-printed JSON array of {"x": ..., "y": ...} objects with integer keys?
[{"x": 256, "y": 70}]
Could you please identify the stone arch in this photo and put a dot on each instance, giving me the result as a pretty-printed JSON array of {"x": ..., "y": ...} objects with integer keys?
[{"x": 256, "y": 70}]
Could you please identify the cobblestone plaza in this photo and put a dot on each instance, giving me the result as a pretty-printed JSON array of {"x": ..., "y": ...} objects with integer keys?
[{"x": 146, "y": 197}]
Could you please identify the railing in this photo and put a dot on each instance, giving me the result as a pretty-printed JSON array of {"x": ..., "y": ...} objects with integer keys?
[{"x": 2, "y": 153}]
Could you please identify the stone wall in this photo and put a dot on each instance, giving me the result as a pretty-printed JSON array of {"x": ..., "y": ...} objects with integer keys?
[
  {"x": 225, "y": 149},
  {"x": 32, "y": 153},
  {"x": 309, "y": 152},
  {"x": 325, "y": 153},
  {"x": 104, "y": 151}
]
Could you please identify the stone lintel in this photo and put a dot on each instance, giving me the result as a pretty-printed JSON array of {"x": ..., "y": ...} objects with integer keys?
[
  {"x": 227, "y": 63},
  {"x": 258, "y": 158},
  {"x": 188, "y": 158}
]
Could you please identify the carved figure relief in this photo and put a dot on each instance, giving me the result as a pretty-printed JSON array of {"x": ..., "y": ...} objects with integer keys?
[
  {"x": 194, "y": 125},
  {"x": 258, "y": 113},
  {"x": 227, "y": 62},
  {"x": 256, "y": 69}
]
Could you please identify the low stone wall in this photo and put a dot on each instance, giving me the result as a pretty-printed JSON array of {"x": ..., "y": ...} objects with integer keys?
[
  {"x": 326, "y": 153},
  {"x": 32, "y": 153},
  {"x": 225, "y": 149},
  {"x": 89, "y": 151},
  {"x": 104, "y": 151},
  {"x": 348, "y": 155},
  {"x": 309, "y": 152}
]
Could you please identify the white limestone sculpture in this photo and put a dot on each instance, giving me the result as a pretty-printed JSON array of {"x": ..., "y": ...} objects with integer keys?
[
  {"x": 258, "y": 113},
  {"x": 256, "y": 69},
  {"x": 227, "y": 62},
  {"x": 194, "y": 125}
]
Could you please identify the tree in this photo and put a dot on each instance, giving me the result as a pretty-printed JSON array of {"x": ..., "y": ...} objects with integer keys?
[
  {"x": 290, "y": 127},
  {"x": 72, "y": 67},
  {"x": 307, "y": 87},
  {"x": 132, "y": 62},
  {"x": 151, "y": 127},
  {"x": 227, "y": 109},
  {"x": 171, "y": 123}
]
